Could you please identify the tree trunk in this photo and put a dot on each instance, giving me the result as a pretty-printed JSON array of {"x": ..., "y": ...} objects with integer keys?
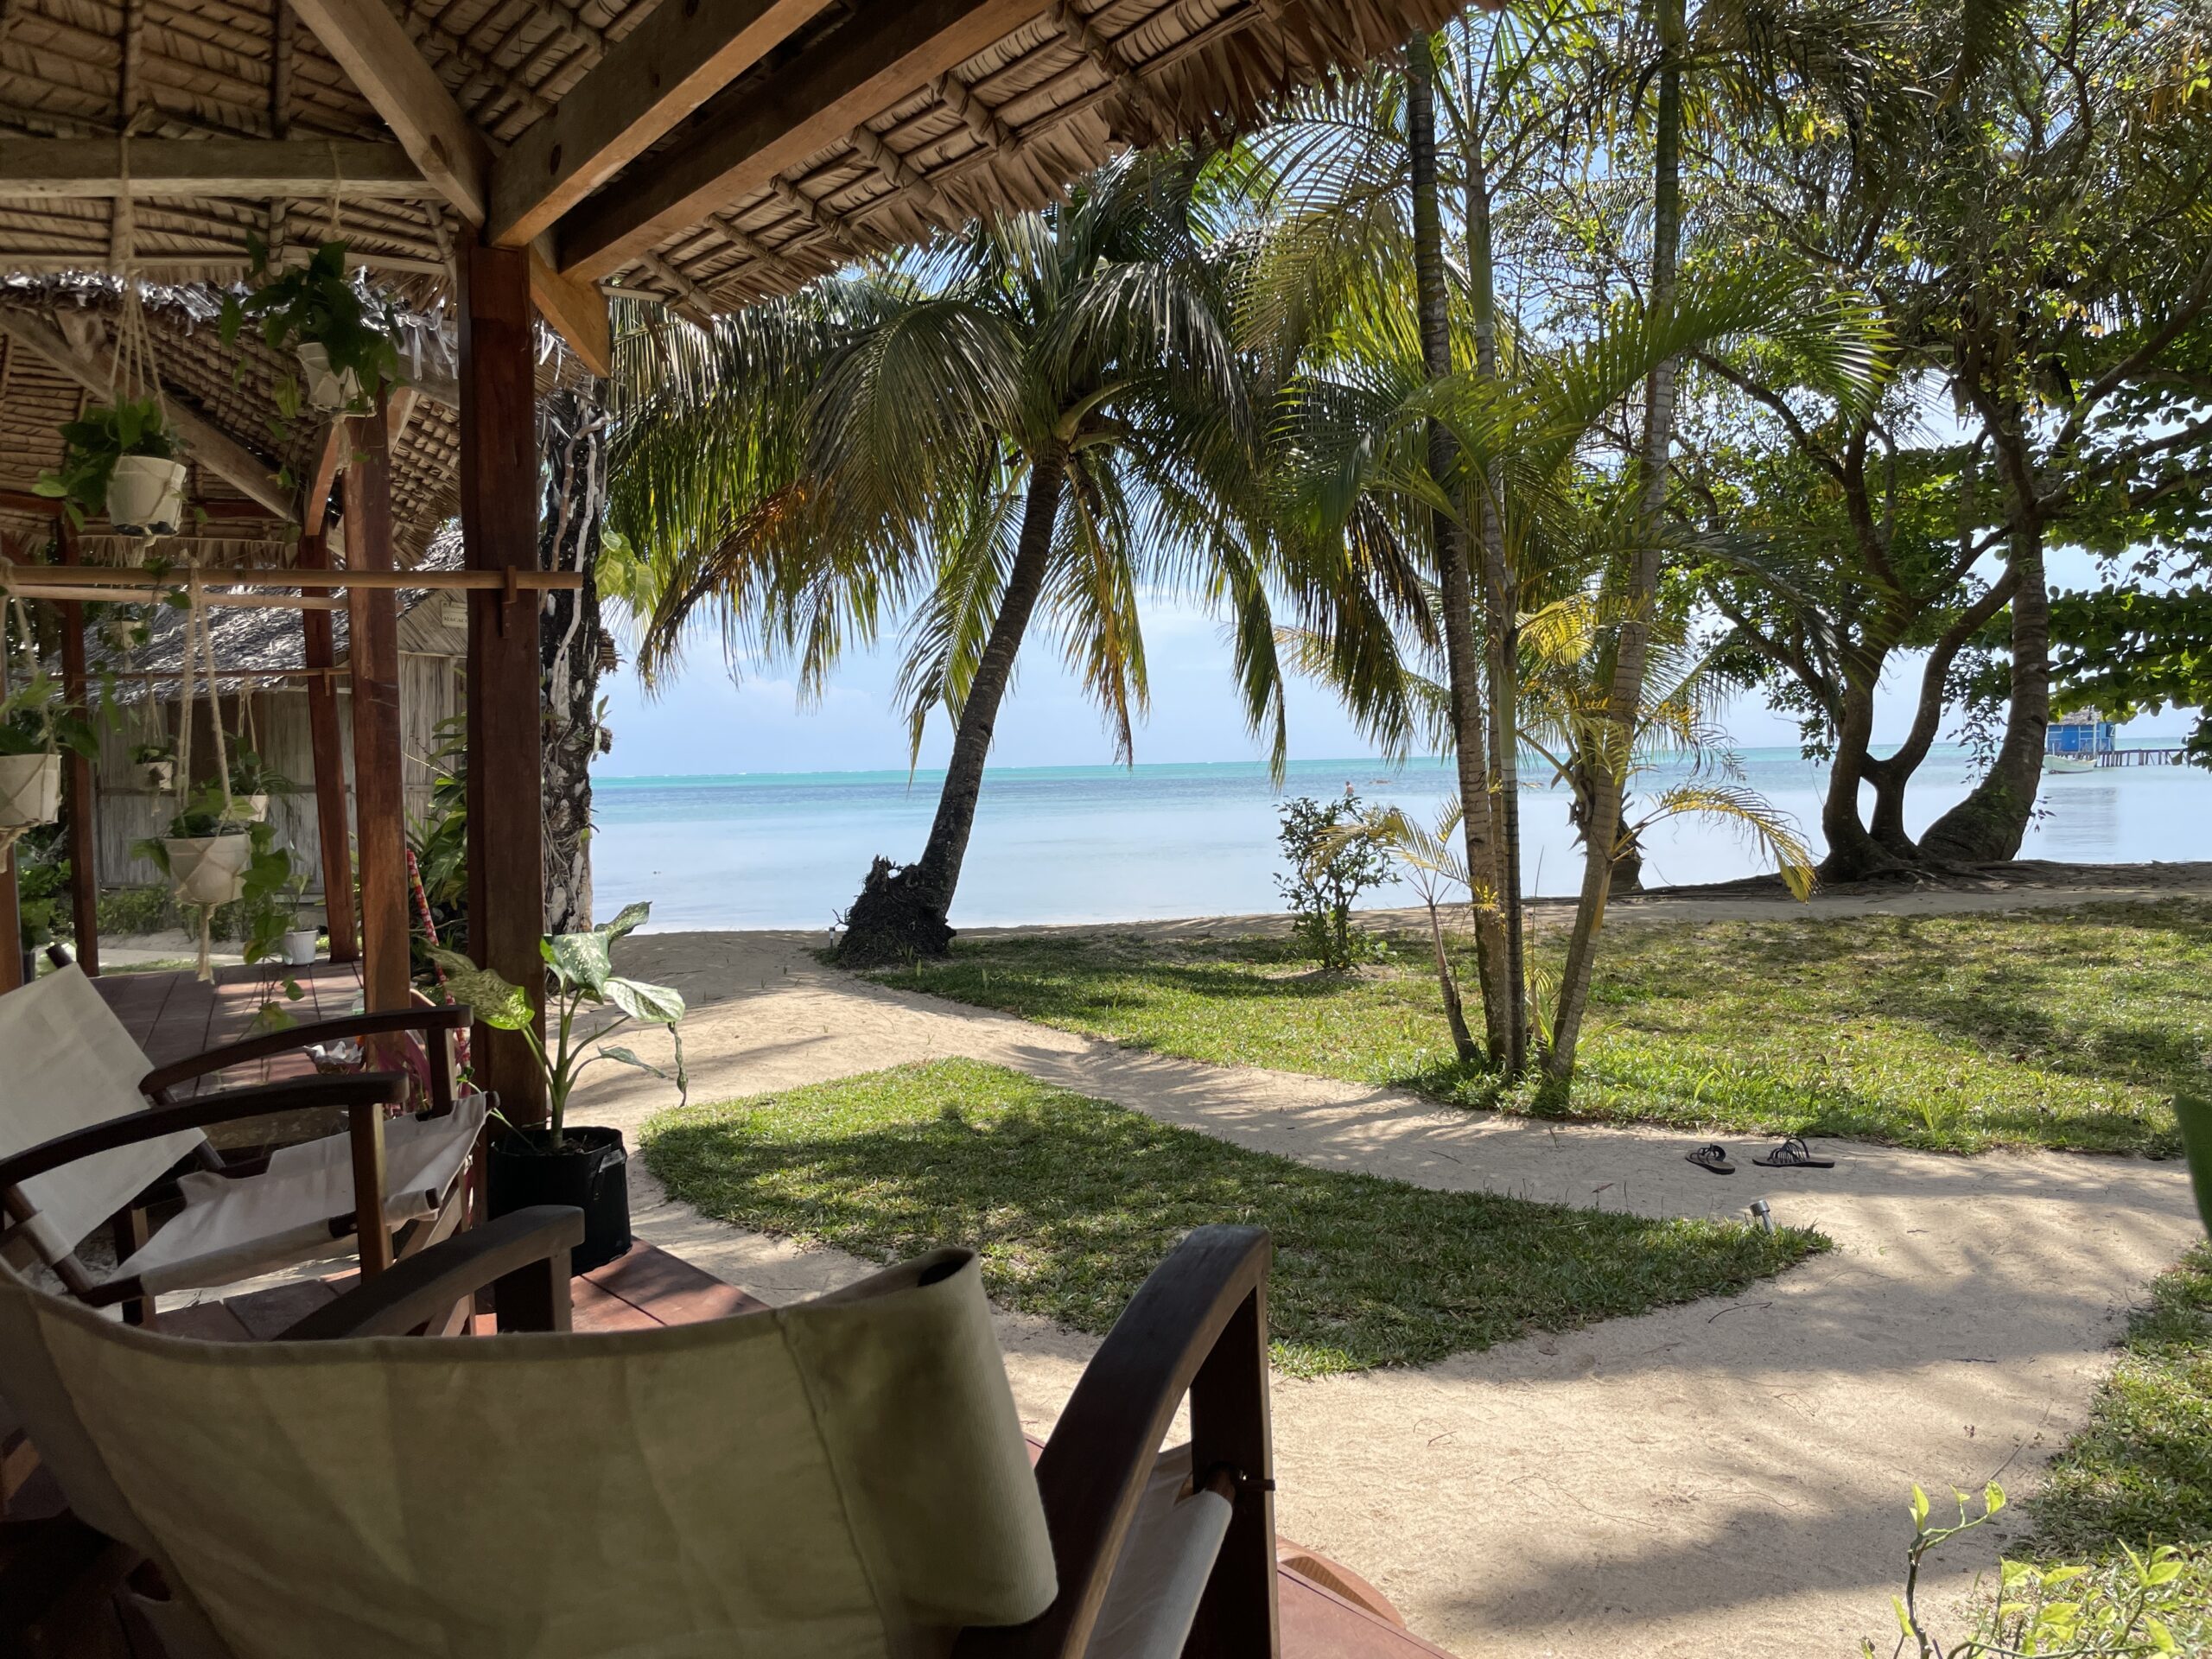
[
  {"x": 900, "y": 913},
  {"x": 1988, "y": 825},
  {"x": 1463, "y": 656},
  {"x": 574, "y": 646},
  {"x": 1890, "y": 776},
  {"x": 1611, "y": 777},
  {"x": 1502, "y": 629},
  {"x": 1852, "y": 852},
  {"x": 1455, "y": 1014}
]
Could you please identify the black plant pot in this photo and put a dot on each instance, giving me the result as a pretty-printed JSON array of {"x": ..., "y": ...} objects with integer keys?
[{"x": 589, "y": 1170}]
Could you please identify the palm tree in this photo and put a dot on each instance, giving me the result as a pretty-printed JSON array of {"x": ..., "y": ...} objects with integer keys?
[{"x": 1045, "y": 416}]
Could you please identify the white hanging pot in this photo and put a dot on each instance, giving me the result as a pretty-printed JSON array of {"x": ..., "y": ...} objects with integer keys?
[
  {"x": 299, "y": 946},
  {"x": 257, "y": 808},
  {"x": 145, "y": 496},
  {"x": 30, "y": 790},
  {"x": 209, "y": 870},
  {"x": 327, "y": 388},
  {"x": 161, "y": 775}
]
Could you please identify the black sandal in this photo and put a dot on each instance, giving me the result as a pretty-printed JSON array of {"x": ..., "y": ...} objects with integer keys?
[
  {"x": 1792, "y": 1155},
  {"x": 1714, "y": 1157}
]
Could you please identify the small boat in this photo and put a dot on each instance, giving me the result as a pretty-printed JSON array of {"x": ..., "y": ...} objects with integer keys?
[{"x": 2067, "y": 763}]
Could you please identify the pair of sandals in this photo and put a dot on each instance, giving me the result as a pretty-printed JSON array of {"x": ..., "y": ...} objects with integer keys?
[{"x": 1792, "y": 1153}]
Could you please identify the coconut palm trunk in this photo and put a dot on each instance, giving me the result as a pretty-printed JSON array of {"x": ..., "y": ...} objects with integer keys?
[
  {"x": 1463, "y": 656},
  {"x": 1602, "y": 834},
  {"x": 1502, "y": 629},
  {"x": 900, "y": 913},
  {"x": 572, "y": 646}
]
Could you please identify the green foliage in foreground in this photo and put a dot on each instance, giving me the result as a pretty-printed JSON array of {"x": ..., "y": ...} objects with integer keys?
[
  {"x": 2057, "y": 1028},
  {"x": 1070, "y": 1201}
]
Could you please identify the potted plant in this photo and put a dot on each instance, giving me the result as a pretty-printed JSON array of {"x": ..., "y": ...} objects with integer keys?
[
  {"x": 34, "y": 730},
  {"x": 342, "y": 340},
  {"x": 119, "y": 458},
  {"x": 586, "y": 1002},
  {"x": 254, "y": 781},
  {"x": 213, "y": 850},
  {"x": 301, "y": 936},
  {"x": 156, "y": 762}
]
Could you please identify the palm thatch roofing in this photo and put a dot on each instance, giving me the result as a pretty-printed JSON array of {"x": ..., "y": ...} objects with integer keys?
[{"x": 842, "y": 128}]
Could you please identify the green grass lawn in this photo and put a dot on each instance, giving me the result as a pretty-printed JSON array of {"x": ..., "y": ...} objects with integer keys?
[
  {"x": 1070, "y": 1201},
  {"x": 2057, "y": 1029}
]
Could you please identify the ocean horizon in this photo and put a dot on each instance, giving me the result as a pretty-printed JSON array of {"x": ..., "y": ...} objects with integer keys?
[{"x": 1072, "y": 844}]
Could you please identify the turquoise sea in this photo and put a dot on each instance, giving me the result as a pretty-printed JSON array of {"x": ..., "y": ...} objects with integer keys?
[{"x": 1111, "y": 843}]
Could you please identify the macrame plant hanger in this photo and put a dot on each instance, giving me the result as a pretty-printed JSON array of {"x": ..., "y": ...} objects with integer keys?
[{"x": 197, "y": 639}]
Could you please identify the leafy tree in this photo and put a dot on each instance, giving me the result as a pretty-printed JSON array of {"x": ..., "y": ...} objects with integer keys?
[
  {"x": 1038, "y": 420},
  {"x": 1333, "y": 859}
]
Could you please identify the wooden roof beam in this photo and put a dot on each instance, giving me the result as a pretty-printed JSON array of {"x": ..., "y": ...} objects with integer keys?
[
  {"x": 220, "y": 454},
  {"x": 746, "y": 136},
  {"x": 651, "y": 78},
  {"x": 254, "y": 167},
  {"x": 373, "y": 48}
]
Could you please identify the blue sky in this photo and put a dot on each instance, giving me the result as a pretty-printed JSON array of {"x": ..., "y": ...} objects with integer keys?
[{"x": 703, "y": 723}]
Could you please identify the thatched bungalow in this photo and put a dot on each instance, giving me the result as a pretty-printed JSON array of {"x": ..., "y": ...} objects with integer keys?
[{"x": 501, "y": 167}]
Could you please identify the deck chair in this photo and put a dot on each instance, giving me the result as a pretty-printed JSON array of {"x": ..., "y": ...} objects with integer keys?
[
  {"x": 75, "y": 1078},
  {"x": 845, "y": 1479}
]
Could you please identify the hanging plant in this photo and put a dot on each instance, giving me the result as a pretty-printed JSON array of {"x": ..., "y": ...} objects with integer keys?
[
  {"x": 254, "y": 781},
  {"x": 214, "y": 852},
  {"x": 120, "y": 458},
  {"x": 341, "y": 337},
  {"x": 34, "y": 728}
]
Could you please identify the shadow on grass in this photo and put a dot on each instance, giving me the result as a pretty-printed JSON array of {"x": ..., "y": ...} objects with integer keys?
[{"x": 1071, "y": 1201}]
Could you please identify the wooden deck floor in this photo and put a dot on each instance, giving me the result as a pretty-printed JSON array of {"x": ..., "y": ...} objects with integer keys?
[{"x": 173, "y": 1014}]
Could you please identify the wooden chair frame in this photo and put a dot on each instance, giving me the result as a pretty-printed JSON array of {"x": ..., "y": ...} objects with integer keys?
[{"x": 366, "y": 1098}]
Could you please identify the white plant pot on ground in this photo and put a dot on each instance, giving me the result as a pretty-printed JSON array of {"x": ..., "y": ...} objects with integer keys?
[
  {"x": 327, "y": 388},
  {"x": 145, "y": 496},
  {"x": 299, "y": 946},
  {"x": 30, "y": 790},
  {"x": 209, "y": 870}
]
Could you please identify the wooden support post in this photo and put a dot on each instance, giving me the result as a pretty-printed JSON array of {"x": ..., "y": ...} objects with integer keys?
[
  {"x": 319, "y": 650},
  {"x": 379, "y": 814},
  {"x": 498, "y": 520},
  {"x": 77, "y": 799}
]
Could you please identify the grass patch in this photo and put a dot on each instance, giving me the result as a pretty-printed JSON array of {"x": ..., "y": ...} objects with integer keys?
[
  {"x": 1070, "y": 1201},
  {"x": 2141, "y": 1472},
  {"x": 2052, "y": 1028}
]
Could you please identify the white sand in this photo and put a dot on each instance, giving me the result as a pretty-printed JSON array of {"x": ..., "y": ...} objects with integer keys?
[{"x": 1727, "y": 1477}]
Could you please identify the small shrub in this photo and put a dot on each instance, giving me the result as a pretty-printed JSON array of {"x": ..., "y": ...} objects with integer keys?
[{"x": 1329, "y": 870}]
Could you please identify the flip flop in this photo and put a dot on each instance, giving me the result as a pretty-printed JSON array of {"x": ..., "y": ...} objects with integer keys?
[
  {"x": 1714, "y": 1157},
  {"x": 1792, "y": 1155}
]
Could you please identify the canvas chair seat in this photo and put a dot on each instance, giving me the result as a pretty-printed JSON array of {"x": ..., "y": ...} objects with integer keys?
[
  {"x": 72, "y": 1066},
  {"x": 845, "y": 1479},
  {"x": 301, "y": 1209}
]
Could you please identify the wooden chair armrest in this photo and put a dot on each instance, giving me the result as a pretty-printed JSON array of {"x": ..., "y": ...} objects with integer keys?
[
  {"x": 528, "y": 1247},
  {"x": 357, "y": 1089},
  {"x": 157, "y": 1083},
  {"x": 1198, "y": 1324}
]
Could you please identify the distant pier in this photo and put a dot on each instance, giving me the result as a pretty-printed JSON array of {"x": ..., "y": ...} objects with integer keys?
[{"x": 2172, "y": 757}]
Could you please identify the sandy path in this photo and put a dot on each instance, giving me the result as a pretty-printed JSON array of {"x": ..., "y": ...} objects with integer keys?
[{"x": 1729, "y": 1475}]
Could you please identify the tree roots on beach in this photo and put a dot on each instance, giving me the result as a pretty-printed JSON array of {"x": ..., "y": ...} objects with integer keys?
[{"x": 898, "y": 917}]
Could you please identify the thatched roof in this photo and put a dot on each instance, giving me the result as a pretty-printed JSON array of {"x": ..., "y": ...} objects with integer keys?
[{"x": 1063, "y": 83}]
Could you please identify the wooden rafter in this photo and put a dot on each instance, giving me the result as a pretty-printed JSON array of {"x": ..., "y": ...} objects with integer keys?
[
  {"x": 648, "y": 81},
  {"x": 208, "y": 166},
  {"x": 93, "y": 369},
  {"x": 744, "y": 138},
  {"x": 373, "y": 47}
]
